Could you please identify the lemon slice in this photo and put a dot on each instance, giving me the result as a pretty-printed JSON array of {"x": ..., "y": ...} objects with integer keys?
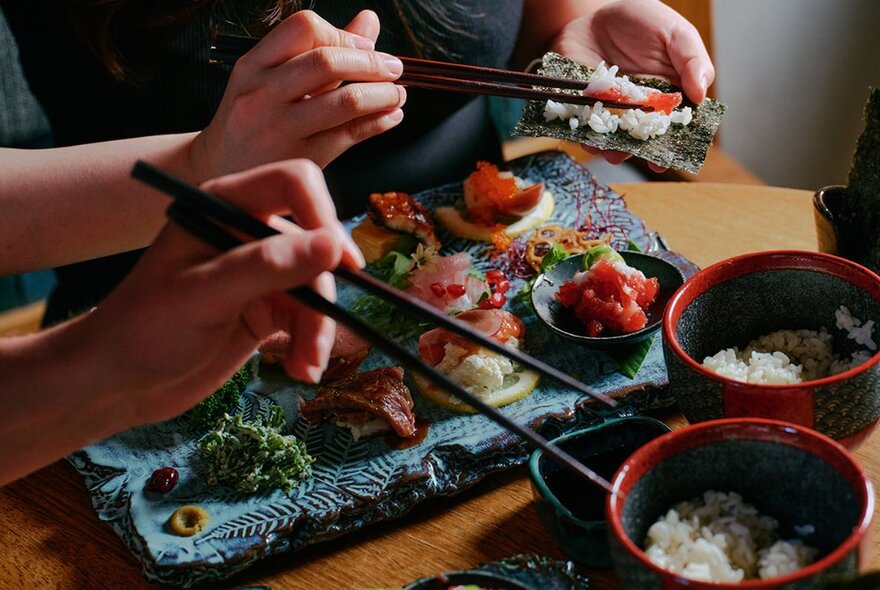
[
  {"x": 516, "y": 386},
  {"x": 451, "y": 219}
]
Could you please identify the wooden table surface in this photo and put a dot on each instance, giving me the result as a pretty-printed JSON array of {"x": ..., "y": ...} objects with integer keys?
[{"x": 50, "y": 536}]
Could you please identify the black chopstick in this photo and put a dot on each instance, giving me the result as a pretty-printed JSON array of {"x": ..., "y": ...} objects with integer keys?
[
  {"x": 453, "y": 77},
  {"x": 238, "y": 219},
  {"x": 198, "y": 222}
]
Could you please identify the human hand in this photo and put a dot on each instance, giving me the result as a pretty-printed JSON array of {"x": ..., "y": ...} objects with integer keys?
[
  {"x": 640, "y": 36},
  {"x": 284, "y": 98},
  {"x": 186, "y": 318}
]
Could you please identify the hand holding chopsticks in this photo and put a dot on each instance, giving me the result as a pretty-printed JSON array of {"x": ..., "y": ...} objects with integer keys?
[
  {"x": 210, "y": 219},
  {"x": 453, "y": 77}
]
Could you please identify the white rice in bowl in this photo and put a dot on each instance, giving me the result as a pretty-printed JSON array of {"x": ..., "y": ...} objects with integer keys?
[
  {"x": 721, "y": 538},
  {"x": 792, "y": 356}
]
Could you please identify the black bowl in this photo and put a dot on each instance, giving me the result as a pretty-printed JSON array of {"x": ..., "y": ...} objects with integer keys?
[{"x": 563, "y": 321}]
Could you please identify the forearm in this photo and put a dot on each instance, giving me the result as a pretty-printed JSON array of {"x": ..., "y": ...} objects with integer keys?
[
  {"x": 52, "y": 400},
  {"x": 64, "y": 205},
  {"x": 540, "y": 25}
]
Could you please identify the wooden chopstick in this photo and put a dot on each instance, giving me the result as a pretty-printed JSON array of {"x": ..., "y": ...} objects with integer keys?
[
  {"x": 233, "y": 217},
  {"x": 453, "y": 77},
  {"x": 195, "y": 219}
]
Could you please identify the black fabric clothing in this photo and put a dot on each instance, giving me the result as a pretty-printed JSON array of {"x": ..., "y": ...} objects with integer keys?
[{"x": 441, "y": 137}]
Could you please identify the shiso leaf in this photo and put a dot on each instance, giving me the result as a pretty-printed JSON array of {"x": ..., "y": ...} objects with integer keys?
[
  {"x": 858, "y": 212},
  {"x": 681, "y": 148},
  {"x": 629, "y": 360}
]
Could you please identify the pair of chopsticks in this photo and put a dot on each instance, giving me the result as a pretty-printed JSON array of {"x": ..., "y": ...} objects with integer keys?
[
  {"x": 208, "y": 218},
  {"x": 452, "y": 77}
]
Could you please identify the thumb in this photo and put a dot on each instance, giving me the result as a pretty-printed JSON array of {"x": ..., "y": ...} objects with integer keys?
[
  {"x": 691, "y": 61},
  {"x": 262, "y": 267}
]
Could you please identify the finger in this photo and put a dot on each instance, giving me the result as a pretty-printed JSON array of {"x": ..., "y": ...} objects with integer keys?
[
  {"x": 259, "y": 268},
  {"x": 365, "y": 24},
  {"x": 295, "y": 187},
  {"x": 313, "y": 333},
  {"x": 340, "y": 106},
  {"x": 615, "y": 157},
  {"x": 329, "y": 144},
  {"x": 690, "y": 60},
  {"x": 655, "y": 168},
  {"x": 316, "y": 69},
  {"x": 298, "y": 33}
]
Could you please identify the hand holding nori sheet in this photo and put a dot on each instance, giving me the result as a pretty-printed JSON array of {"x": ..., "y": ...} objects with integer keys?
[{"x": 682, "y": 147}]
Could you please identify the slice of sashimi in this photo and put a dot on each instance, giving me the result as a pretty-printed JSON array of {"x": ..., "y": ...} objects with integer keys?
[{"x": 634, "y": 95}]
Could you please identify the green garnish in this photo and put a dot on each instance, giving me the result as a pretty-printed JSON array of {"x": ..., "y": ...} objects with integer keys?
[
  {"x": 204, "y": 415},
  {"x": 629, "y": 359},
  {"x": 632, "y": 246},
  {"x": 554, "y": 256},
  {"x": 253, "y": 456},
  {"x": 600, "y": 252},
  {"x": 394, "y": 268}
]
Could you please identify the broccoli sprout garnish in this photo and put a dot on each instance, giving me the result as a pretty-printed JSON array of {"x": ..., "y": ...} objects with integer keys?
[{"x": 253, "y": 456}]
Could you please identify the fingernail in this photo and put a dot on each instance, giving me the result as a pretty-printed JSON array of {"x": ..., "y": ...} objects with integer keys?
[
  {"x": 314, "y": 374},
  {"x": 395, "y": 116},
  {"x": 364, "y": 43},
  {"x": 393, "y": 65},
  {"x": 401, "y": 91}
]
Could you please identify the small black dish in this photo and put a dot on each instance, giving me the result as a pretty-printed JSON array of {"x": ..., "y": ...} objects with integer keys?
[
  {"x": 563, "y": 321},
  {"x": 483, "y": 580}
]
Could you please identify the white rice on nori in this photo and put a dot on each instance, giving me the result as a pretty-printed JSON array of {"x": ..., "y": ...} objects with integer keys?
[{"x": 721, "y": 538}]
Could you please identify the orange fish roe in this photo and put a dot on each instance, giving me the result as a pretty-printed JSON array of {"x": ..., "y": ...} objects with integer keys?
[
  {"x": 500, "y": 239},
  {"x": 498, "y": 190}
]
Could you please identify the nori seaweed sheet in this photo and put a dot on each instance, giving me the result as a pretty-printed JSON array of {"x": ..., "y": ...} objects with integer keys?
[
  {"x": 682, "y": 148},
  {"x": 857, "y": 214}
]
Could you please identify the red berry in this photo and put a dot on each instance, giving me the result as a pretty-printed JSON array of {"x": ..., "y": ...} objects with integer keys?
[
  {"x": 494, "y": 275},
  {"x": 438, "y": 289},
  {"x": 163, "y": 480},
  {"x": 486, "y": 304},
  {"x": 455, "y": 290},
  {"x": 495, "y": 301},
  {"x": 502, "y": 286}
]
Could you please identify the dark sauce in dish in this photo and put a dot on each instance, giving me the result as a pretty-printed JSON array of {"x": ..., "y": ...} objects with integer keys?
[{"x": 584, "y": 501}]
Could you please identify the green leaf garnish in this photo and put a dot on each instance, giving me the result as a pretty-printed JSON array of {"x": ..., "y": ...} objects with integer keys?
[
  {"x": 556, "y": 255},
  {"x": 632, "y": 246},
  {"x": 629, "y": 359}
]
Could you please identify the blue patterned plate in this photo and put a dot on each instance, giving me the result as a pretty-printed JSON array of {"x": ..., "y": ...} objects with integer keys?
[{"x": 355, "y": 484}]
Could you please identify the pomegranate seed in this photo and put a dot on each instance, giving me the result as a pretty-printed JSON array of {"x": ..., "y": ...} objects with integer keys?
[
  {"x": 594, "y": 328},
  {"x": 486, "y": 304},
  {"x": 502, "y": 286},
  {"x": 438, "y": 289},
  {"x": 494, "y": 275},
  {"x": 495, "y": 301},
  {"x": 163, "y": 480},
  {"x": 455, "y": 290}
]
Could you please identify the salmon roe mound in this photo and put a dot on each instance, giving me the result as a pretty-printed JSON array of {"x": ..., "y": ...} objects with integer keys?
[{"x": 485, "y": 181}]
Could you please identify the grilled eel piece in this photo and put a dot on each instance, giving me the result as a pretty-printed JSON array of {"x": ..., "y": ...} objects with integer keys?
[
  {"x": 368, "y": 403},
  {"x": 400, "y": 212}
]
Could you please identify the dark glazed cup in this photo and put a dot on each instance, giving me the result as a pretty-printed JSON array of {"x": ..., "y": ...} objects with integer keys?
[
  {"x": 603, "y": 448},
  {"x": 740, "y": 299},
  {"x": 790, "y": 473},
  {"x": 444, "y": 581},
  {"x": 825, "y": 203}
]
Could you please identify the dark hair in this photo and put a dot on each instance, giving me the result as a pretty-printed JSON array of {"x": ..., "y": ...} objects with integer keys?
[{"x": 104, "y": 24}]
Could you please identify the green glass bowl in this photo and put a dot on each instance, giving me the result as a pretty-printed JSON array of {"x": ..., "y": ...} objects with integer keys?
[{"x": 573, "y": 513}]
